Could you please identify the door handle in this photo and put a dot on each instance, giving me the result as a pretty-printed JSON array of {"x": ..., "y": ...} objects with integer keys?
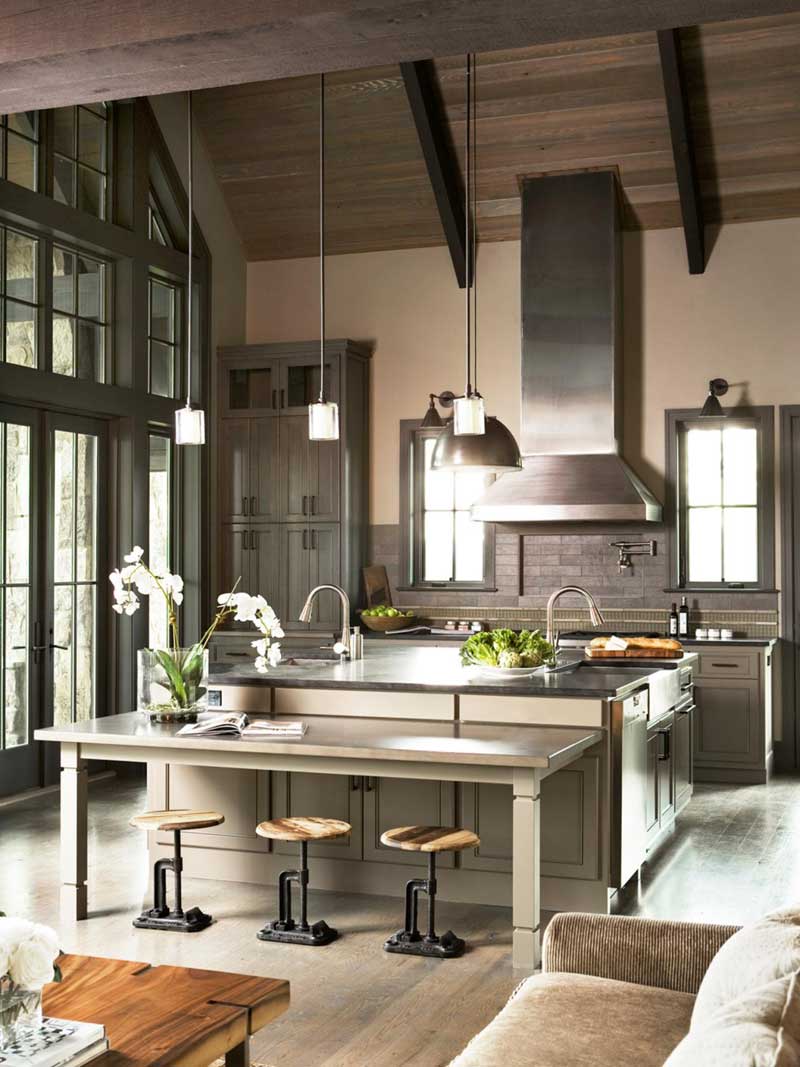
[
  {"x": 313, "y": 505},
  {"x": 274, "y": 398},
  {"x": 305, "y": 505},
  {"x": 665, "y": 755},
  {"x": 305, "y": 540},
  {"x": 64, "y": 648},
  {"x": 355, "y": 782},
  {"x": 244, "y": 540},
  {"x": 252, "y": 505},
  {"x": 244, "y": 505},
  {"x": 253, "y": 540},
  {"x": 283, "y": 398},
  {"x": 368, "y": 785},
  {"x": 726, "y": 666},
  {"x": 32, "y": 648},
  {"x": 314, "y": 539}
]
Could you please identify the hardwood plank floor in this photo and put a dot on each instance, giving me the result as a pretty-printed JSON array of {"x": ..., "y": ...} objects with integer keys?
[{"x": 734, "y": 856}]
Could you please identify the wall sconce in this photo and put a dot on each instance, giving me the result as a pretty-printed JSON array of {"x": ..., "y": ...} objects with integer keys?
[
  {"x": 712, "y": 409},
  {"x": 432, "y": 416}
]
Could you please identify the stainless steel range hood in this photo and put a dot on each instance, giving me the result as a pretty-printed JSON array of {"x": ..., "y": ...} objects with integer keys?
[{"x": 571, "y": 363}]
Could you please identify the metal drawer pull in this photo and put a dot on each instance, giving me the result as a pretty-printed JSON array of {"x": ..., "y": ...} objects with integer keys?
[
  {"x": 305, "y": 540},
  {"x": 244, "y": 540},
  {"x": 252, "y": 505},
  {"x": 314, "y": 539},
  {"x": 253, "y": 540},
  {"x": 305, "y": 505},
  {"x": 236, "y": 654},
  {"x": 244, "y": 505},
  {"x": 665, "y": 755},
  {"x": 725, "y": 665}
]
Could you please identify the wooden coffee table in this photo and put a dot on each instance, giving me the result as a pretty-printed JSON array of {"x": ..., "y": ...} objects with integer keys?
[{"x": 166, "y": 1016}]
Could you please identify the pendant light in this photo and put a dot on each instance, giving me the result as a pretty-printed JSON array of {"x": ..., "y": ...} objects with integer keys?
[
  {"x": 473, "y": 440},
  {"x": 323, "y": 416},
  {"x": 712, "y": 409},
  {"x": 190, "y": 423}
]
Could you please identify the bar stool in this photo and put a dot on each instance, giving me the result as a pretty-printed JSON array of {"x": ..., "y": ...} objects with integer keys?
[
  {"x": 303, "y": 829},
  {"x": 160, "y": 917},
  {"x": 430, "y": 839}
]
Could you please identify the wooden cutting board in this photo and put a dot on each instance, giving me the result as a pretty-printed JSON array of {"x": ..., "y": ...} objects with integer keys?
[{"x": 633, "y": 653}]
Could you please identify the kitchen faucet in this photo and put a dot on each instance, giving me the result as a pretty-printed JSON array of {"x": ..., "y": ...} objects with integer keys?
[
  {"x": 594, "y": 611},
  {"x": 342, "y": 647}
]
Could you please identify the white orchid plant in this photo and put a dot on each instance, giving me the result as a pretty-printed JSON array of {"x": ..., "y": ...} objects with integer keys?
[
  {"x": 184, "y": 667},
  {"x": 28, "y": 954}
]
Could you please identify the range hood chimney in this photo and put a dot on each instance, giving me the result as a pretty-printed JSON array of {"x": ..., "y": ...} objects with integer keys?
[{"x": 571, "y": 363}]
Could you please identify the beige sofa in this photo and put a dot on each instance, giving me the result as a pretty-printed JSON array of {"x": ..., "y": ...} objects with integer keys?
[{"x": 618, "y": 991}]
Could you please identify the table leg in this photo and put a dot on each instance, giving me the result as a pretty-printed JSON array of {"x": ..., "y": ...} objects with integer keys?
[
  {"x": 74, "y": 796},
  {"x": 239, "y": 1056},
  {"x": 526, "y": 875}
]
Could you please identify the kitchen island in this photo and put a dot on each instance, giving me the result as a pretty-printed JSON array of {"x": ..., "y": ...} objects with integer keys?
[{"x": 404, "y": 736}]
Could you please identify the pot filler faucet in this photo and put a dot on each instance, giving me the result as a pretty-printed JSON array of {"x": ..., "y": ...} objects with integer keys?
[
  {"x": 342, "y": 647},
  {"x": 594, "y": 611}
]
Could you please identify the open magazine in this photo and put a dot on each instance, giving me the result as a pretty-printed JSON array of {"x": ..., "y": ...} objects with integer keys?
[
  {"x": 236, "y": 724},
  {"x": 55, "y": 1043}
]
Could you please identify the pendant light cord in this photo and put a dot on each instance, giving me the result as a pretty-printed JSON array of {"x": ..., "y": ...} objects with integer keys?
[
  {"x": 322, "y": 238},
  {"x": 475, "y": 223},
  {"x": 190, "y": 191},
  {"x": 467, "y": 228}
]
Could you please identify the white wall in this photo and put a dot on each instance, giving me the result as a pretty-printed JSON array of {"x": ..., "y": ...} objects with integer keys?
[{"x": 740, "y": 320}]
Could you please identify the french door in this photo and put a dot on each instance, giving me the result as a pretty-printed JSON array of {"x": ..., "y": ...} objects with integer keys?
[{"x": 53, "y": 533}]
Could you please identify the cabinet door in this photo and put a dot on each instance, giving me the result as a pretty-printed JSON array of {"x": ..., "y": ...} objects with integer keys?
[
  {"x": 265, "y": 565},
  {"x": 682, "y": 737},
  {"x": 666, "y": 776},
  {"x": 325, "y": 569},
  {"x": 235, "y": 557},
  {"x": 728, "y": 727},
  {"x": 264, "y": 504},
  {"x": 296, "y": 568},
  {"x": 295, "y": 452},
  {"x": 651, "y": 806},
  {"x": 323, "y": 480},
  {"x": 325, "y": 796},
  {"x": 299, "y": 385},
  {"x": 391, "y": 802},
  {"x": 486, "y": 810},
  {"x": 234, "y": 469},
  {"x": 249, "y": 387}
]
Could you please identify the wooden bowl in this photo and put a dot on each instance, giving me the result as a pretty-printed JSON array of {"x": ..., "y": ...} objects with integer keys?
[{"x": 386, "y": 623}]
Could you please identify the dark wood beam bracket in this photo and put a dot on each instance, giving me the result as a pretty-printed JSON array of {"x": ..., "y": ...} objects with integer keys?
[
  {"x": 680, "y": 127},
  {"x": 427, "y": 108}
]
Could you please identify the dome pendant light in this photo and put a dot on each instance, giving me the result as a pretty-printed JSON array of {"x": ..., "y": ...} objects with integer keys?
[
  {"x": 474, "y": 440},
  {"x": 190, "y": 423},
  {"x": 323, "y": 416}
]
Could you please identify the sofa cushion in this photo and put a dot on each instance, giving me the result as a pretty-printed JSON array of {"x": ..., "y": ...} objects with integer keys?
[
  {"x": 566, "y": 1020},
  {"x": 761, "y": 1028},
  {"x": 756, "y": 954}
]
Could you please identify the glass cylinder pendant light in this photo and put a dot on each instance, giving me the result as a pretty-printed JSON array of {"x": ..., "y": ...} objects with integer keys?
[
  {"x": 323, "y": 416},
  {"x": 473, "y": 441},
  {"x": 190, "y": 423}
]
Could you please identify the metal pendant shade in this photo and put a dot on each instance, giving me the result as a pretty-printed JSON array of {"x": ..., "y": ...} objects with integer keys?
[
  {"x": 712, "y": 409},
  {"x": 190, "y": 423},
  {"x": 494, "y": 451},
  {"x": 323, "y": 416},
  {"x": 432, "y": 418},
  {"x": 473, "y": 440}
]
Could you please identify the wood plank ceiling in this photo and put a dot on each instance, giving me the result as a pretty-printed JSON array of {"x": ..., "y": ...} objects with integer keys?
[{"x": 541, "y": 109}]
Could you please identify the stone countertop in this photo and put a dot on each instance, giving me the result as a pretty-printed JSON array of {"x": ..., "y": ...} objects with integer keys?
[{"x": 437, "y": 670}]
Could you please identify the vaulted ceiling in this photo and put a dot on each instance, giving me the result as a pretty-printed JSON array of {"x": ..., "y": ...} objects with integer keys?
[{"x": 541, "y": 109}]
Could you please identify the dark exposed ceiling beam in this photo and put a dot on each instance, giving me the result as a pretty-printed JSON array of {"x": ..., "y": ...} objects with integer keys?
[
  {"x": 680, "y": 128},
  {"x": 149, "y": 47},
  {"x": 427, "y": 109}
]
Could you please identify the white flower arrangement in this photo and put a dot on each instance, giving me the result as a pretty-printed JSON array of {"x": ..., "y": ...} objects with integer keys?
[
  {"x": 183, "y": 672},
  {"x": 28, "y": 952}
]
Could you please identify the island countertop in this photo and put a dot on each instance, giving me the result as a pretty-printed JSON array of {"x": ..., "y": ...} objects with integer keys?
[{"x": 436, "y": 670}]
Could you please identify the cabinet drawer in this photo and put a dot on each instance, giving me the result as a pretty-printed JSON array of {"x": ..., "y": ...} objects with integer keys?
[{"x": 723, "y": 664}]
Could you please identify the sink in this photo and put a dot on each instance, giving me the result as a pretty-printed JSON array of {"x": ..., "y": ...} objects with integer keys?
[{"x": 308, "y": 661}]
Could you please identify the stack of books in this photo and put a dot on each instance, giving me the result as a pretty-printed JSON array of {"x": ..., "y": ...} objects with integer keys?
[
  {"x": 233, "y": 724},
  {"x": 55, "y": 1043}
]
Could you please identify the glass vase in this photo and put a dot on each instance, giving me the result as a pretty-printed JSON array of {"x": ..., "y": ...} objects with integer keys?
[
  {"x": 19, "y": 1009},
  {"x": 172, "y": 683}
]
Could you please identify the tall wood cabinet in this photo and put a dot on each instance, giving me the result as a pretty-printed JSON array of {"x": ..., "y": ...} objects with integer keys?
[{"x": 292, "y": 512}]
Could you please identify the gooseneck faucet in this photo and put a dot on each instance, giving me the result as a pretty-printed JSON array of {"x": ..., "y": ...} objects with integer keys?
[
  {"x": 342, "y": 647},
  {"x": 594, "y": 611}
]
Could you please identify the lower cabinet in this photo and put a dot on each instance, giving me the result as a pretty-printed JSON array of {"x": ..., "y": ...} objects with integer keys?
[
  {"x": 660, "y": 794},
  {"x": 330, "y": 796},
  {"x": 683, "y": 756},
  {"x": 390, "y": 802}
]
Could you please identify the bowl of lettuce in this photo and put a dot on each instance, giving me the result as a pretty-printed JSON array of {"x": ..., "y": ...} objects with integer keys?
[{"x": 506, "y": 654}]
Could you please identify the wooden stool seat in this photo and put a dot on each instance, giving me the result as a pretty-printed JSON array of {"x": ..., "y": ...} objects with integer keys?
[
  {"x": 177, "y": 819},
  {"x": 430, "y": 838},
  {"x": 302, "y": 828}
]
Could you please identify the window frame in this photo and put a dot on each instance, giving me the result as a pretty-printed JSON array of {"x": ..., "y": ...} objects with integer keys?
[
  {"x": 106, "y": 324},
  {"x": 177, "y": 346},
  {"x": 412, "y": 519},
  {"x": 678, "y": 421}
]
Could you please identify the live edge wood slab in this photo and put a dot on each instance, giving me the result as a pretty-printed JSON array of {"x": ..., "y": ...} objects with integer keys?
[{"x": 166, "y": 1016}]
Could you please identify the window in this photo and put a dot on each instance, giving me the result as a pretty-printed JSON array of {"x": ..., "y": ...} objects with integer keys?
[
  {"x": 160, "y": 531},
  {"x": 163, "y": 338},
  {"x": 157, "y": 229},
  {"x": 19, "y": 148},
  {"x": 80, "y": 320},
  {"x": 442, "y": 546},
  {"x": 19, "y": 297},
  {"x": 80, "y": 157},
  {"x": 721, "y": 477}
]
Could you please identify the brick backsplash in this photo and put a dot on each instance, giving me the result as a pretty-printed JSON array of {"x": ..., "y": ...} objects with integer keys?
[{"x": 530, "y": 567}]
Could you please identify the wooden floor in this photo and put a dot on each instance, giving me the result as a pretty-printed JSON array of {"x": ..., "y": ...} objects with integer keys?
[{"x": 735, "y": 855}]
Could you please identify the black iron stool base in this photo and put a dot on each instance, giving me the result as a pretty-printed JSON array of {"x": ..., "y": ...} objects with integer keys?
[
  {"x": 285, "y": 928},
  {"x": 161, "y": 916},
  {"x": 184, "y": 922},
  {"x": 318, "y": 933},
  {"x": 410, "y": 941},
  {"x": 446, "y": 947}
]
